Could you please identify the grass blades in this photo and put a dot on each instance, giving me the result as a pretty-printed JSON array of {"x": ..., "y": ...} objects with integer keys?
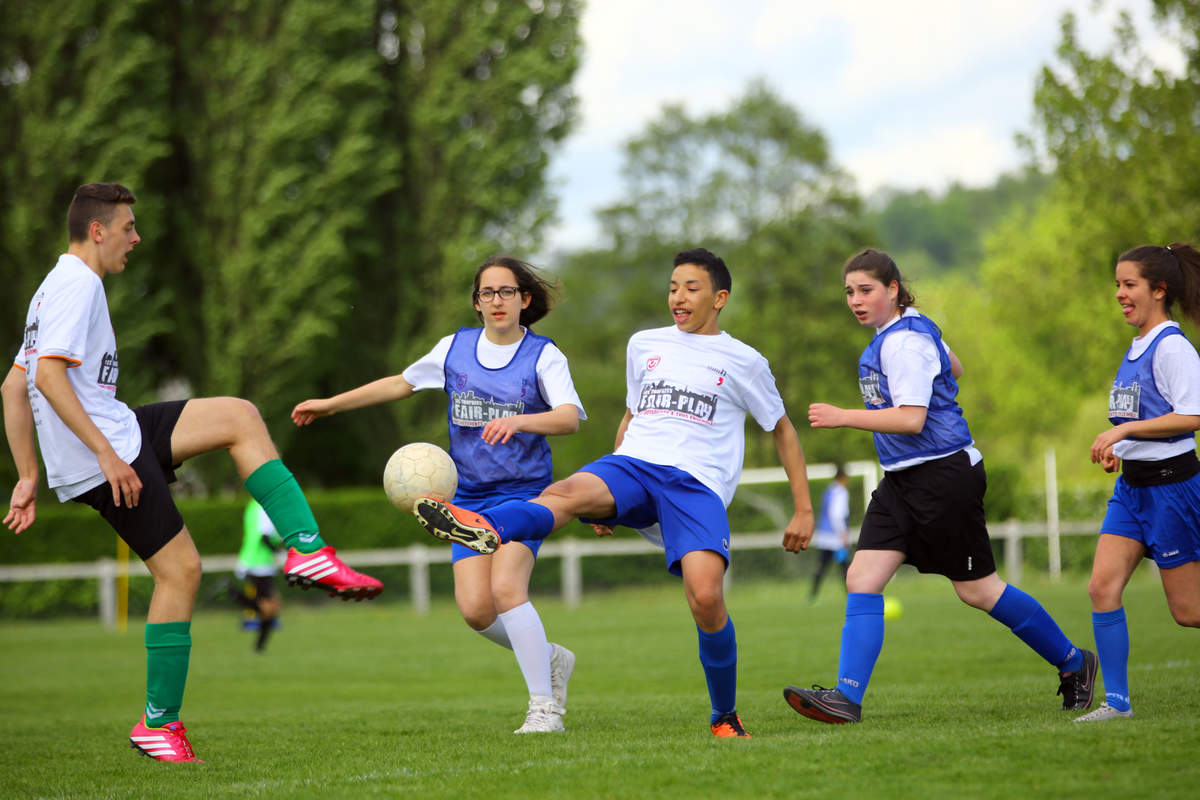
[{"x": 370, "y": 700}]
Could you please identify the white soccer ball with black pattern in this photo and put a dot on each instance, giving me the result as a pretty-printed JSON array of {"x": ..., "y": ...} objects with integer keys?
[{"x": 416, "y": 469}]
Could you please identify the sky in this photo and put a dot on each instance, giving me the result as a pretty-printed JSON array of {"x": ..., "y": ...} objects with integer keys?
[{"x": 909, "y": 95}]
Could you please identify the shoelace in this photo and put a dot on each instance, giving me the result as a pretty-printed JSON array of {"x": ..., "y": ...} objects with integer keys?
[{"x": 180, "y": 740}]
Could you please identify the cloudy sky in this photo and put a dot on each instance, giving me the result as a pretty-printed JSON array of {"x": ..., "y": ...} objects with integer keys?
[{"x": 913, "y": 94}]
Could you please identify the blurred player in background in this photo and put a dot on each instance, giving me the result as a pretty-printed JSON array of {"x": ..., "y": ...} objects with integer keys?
[
  {"x": 99, "y": 452},
  {"x": 928, "y": 509},
  {"x": 1154, "y": 406},
  {"x": 676, "y": 464},
  {"x": 256, "y": 592},
  {"x": 508, "y": 389},
  {"x": 832, "y": 536}
]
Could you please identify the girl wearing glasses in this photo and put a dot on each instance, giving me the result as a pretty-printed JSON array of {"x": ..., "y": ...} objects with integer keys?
[{"x": 508, "y": 389}]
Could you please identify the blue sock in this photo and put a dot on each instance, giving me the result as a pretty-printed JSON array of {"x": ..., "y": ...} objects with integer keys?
[
  {"x": 1112, "y": 646},
  {"x": 520, "y": 520},
  {"x": 862, "y": 639},
  {"x": 718, "y": 656},
  {"x": 1036, "y": 628}
]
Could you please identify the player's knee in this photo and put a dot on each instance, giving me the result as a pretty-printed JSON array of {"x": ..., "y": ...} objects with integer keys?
[
  {"x": 478, "y": 611},
  {"x": 1104, "y": 593},
  {"x": 1186, "y": 616}
]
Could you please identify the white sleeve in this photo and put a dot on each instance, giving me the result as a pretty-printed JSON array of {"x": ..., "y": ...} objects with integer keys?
[
  {"x": 65, "y": 317},
  {"x": 554, "y": 379},
  {"x": 633, "y": 380},
  {"x": 265, "y": 526},
  {"x": 429, "y": 371},
  {"x": 762, "y": 398},
  {"x": 911, "y": 362},
  {"x": 1177, "y": 374}
]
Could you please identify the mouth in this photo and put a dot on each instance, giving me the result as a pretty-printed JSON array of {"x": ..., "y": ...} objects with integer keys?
[
  {"x": 680, "y": 314},
  {"x": 1126, "y": 309}
]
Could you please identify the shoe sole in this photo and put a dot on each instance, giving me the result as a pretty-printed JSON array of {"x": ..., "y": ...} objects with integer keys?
[
  {"x": 356, "y": 593},
  {"x": 438, "y": 520},
  {"x": 803, "y": 705}
]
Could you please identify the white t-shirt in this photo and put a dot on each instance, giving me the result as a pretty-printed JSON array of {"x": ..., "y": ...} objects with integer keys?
[
  {"x": 68, "y": 319},
  {"x": 1177, "y": 376},
  {"x": 910, "y": 361},
  {"x": 835, "y": 516},
  {"x": 554, "y": 374},
  {"x": 689, "y": 394}
]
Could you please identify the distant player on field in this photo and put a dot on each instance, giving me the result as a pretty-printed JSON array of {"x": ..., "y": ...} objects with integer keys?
[
  {"x": 677, "y": 461},
  {"x": 928, "y": 510},
  {"x": 257, "y": 592},
  {"x": 97, "y": 451},
  {"x": 508, "y": 389},
  {"x": 832, "y": 537},
  {"x": 1154, "y": 408}
]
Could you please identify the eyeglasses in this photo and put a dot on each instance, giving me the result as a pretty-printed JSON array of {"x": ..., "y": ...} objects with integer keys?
[{"x": 505, "y": 292}]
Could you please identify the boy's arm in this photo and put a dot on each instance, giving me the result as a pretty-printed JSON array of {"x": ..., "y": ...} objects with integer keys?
[
  {"x": 18, "y": 427},
  {"x": 800, "y": 528},
  {"x": 55, "y": 386}
]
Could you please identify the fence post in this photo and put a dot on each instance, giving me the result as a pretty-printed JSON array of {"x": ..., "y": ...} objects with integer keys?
[
  {"x": 1052, "y": 541},
  {"x": 106, "y": 577},
  {"x": 572, "y": 574},
  {"x": 418, "y": 571},
  {"x": 1012, "y": 551}
]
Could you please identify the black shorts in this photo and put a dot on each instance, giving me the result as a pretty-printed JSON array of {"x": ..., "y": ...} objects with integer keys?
[
  {"x": 933, "y": 513},
  {"x": 155, "y": 520},
  {"x": 264, "y": 586}
]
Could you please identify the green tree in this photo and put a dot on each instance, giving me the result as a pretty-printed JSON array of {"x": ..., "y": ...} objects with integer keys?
[{"x": 754, "y": 183}]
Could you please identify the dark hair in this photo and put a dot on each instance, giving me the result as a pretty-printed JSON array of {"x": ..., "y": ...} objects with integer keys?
[
  {"x": 880, "y": 266},
  {"x": 839, "y": 471},
  {"x": 95, "y": 202},
  {"x": 713, "y": 264},
  {"x": 1174, "y": 268},
  {"x": 529, "y": 281}
]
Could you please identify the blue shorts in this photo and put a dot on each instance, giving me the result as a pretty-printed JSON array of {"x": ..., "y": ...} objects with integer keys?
[
  {"x": 691, "y": 516},
  {"x": 477, "y": 502},
  {"x": 1165, "y": 518}
]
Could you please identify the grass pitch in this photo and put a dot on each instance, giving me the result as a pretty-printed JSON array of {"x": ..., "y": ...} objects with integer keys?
[{"x": 370, "y": 700}]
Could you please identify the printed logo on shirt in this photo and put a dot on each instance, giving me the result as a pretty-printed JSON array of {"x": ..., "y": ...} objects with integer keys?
[
  {"x": 469, "y": 411},
  {"x": 31, "y": 331},
  {"x": 652, "y": 362},
  {"x": 872, "y": 395},
  {"x": 1125, "y": 401},
  {"x": 662, "y": 397},
  {"x": 108, "y": 371},
  {"x": 460, "y": 380}
]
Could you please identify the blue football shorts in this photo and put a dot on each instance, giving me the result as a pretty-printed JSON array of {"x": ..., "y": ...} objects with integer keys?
[
  {"x": 1165, "y": 518},
  {"x": 478, "y": 502},
  {"x": 690, "y": 514}
]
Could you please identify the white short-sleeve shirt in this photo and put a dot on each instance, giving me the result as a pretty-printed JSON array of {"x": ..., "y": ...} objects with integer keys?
[
  {"x": 689, "y": 395},
  {"x": 553, "y": 371},
  {"x": 68, "y": 319}
]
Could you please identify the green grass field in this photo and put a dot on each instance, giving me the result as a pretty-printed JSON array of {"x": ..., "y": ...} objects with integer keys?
[{"x": 371, "y": 700}]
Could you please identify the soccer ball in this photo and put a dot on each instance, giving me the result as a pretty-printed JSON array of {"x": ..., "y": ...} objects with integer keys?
[{"x": 416, "y": 469}]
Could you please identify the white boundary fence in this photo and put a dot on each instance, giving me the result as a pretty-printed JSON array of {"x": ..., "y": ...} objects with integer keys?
[{"x": 419, "y": 557}]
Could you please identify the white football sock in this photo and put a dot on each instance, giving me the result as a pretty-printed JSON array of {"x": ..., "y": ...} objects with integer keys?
[
  {"x": 496, "y": 633},
  {"x": 528, "y": 638}
]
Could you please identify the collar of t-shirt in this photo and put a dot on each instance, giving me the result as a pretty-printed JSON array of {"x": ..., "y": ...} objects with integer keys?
[
  {"x": 1140, "y": 343},
  {"x": 496, "y": 356}
]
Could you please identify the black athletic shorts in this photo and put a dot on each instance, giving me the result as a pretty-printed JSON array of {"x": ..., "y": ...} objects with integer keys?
[
  {"x": 155, "y": 520},
  {"x": 933, "y": 513},
  {"x": 264, "y": 586}
]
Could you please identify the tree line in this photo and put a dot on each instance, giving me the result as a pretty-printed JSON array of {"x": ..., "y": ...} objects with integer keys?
[{"x": 318, "y": 182}]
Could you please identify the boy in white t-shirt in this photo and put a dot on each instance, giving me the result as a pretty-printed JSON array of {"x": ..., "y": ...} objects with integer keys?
[
  {"x": 677, "y": 462},
  {"x": 98, "y": 451}
]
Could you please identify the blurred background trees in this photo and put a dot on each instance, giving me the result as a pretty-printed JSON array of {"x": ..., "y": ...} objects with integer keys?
[{"x": 318, "y": 182}]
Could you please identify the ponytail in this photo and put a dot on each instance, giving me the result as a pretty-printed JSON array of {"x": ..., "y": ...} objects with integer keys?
[{"x": 1174, "y": 269}]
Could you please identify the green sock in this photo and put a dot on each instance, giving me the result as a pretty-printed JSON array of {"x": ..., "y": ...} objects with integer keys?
[
  {"x": 276, "y": 490},
  {"x": 168, "y": 646}
]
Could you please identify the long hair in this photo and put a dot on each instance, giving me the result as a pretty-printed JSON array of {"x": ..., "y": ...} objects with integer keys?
[
  {"x": 880, "y": 266},
  {"x": 1175, "y": 269},
  {"x": 540, "y": 290}
]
